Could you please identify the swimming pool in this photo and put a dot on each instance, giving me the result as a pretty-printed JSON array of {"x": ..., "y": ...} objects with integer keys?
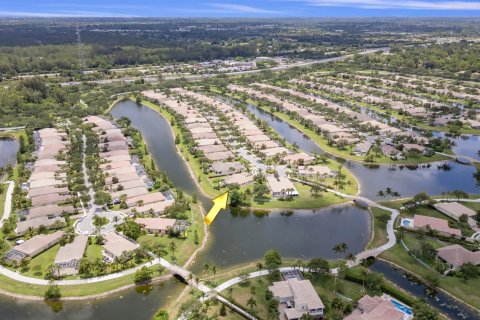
[
  {"x": 406, "y": 222},
  {"x": 401, "y": 307}
]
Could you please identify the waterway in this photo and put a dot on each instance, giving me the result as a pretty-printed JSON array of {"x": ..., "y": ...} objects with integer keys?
[
  {"x": 126, "y": 305},
  {"x": 407, "y": 182},
  {"x": 236, "y": 237},
  {"x": 442, "y": 301},
  {"x": 8, "y": 151},
  {"x": 243, "y": 237}
]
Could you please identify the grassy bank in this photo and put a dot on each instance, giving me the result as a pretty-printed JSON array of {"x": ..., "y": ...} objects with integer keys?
[
  {"x": 380, "y": 218},
  {"x": 304, "y": 201},
  {"x": 322, "y": 142}
]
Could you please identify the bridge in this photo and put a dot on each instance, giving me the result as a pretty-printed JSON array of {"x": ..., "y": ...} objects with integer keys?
[{"x": 392, "y": 240}]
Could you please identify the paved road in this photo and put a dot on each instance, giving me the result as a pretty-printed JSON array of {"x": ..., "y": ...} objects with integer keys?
[
  {"x": 153, "y": 79},
  {"x": 8, "y": 203},
  {"x": 21, "y": 278},
  {"x": 85, "y": 225}
]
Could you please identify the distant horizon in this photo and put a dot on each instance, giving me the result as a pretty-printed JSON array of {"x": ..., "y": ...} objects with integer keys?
[{"x": 240, "y": 9}]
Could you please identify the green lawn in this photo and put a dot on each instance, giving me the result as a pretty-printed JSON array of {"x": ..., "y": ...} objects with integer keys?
[
  {"x": 305, "y": 200},
  {"x": 38, "y": 266},
  {"x": 93, "y": 252},
  {"x": 323, "y": 285},
  {"x": 13, "y": 286},
  {"x": 3, "y": 196},
  {"x": 379, "y": 236}
]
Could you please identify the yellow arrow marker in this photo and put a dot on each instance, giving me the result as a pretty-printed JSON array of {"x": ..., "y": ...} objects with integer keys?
[{"x": 219, "y": 202}]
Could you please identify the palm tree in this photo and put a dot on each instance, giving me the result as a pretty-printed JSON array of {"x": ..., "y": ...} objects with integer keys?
[
  {"x": 350, "y": 257},
  {"x": 206, "y": 267},
  {"x": 340, "y": 248},
  {"x": 388, "y": 191},
  {"x": 173, "y": 248},
  {"x": 298, "y": 264},
  {"x": 381, "y": 194},
  {"x": 259, "y": 266},
  {"x": 214, "y": 270},
  {"x": 251, "y": 303}
]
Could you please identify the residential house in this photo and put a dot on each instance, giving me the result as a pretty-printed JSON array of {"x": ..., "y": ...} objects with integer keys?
[{"x": 296, "y": 298}]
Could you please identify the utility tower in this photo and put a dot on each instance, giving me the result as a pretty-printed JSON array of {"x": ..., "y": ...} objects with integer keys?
[{"x": 81, "y": 54}]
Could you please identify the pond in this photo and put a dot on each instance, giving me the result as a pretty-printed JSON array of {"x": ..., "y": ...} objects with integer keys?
[
  {"x": 239, "y": 238},
  {"x": 8, "y": 151},
  {"x": 125, "y": 305}
]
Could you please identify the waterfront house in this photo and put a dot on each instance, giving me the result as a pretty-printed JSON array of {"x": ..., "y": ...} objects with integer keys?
[
  {"x": 296, "y": 298},
  {"x": 376, "y": 308},
  {"x": 118, "y": 246},
  {"x": 281, "y": 186},
  {"x": 454, "y": 209},
  {"x": 69, "y": 255},
  {"x": 156, "y": 225},
  {"x": 226, "y": 168},
  {"x": 440, "y": 225},
  {"x": 33, "y": 247},
  {"x": 241, "y": 179},
  {"x": 456, "y": 255}
]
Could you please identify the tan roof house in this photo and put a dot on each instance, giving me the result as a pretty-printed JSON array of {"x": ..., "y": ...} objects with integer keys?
[
  {"x": 376, "y": 308},
  {"x": 156, "y": 225},
  {"x": 301, "y": 295},
  {"x": 454, "y": 209},
  {"x": 281, "y": 187},
  {"x": 241, "y": 179},
  {"x": 33, "y": 247},
  {"x": 301, "y": 158},
  {"x": 440, "y": 225},
  {"x": 69, "y": 255},
  {"x": 456, "y": 255},
  {"x": 117, "y": 246}
]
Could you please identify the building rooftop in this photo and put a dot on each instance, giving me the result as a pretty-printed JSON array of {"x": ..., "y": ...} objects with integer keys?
[
  {"x": 117, "y": 244},
  {"x": 437, "y": 224},
  {"x": 72, "y": 251},
  {"x": 299, "y": 291},
  {"x": 24, "y": 226},
  {"x": 281, "y": 185},
  {"x": 160, "y": 224},
  {"x": 456, "y": 255},
  {"x": 375, "y": 308},
  {"x": 454, "y": 209},
  {"x": 32, "y": 245}
]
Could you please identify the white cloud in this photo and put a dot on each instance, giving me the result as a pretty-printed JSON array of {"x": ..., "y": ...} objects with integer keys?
[
  {"x": 62, "y": 13},
  {"x": 384, "y": 4},
  {"x": 238, "y": 8}
]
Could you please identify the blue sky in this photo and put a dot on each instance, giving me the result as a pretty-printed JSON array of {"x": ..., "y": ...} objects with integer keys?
[{"x": 239, "y": 8}]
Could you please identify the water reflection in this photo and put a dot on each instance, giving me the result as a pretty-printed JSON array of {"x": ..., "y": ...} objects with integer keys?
[
  {"x": 407, "y": 180},
  {"x": 8, "y": 151},
  {"x": 243, "y": 235}
]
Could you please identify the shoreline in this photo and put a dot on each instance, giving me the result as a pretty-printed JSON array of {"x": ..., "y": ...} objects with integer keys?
[
  {"x": 192, "y": 174},
  {"x": 342, "y": 156},
  {"x": 425, "y": 283}
]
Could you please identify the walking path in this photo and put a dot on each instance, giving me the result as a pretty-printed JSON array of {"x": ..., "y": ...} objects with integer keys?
[
  {"x": 8, "y": 203},
  {"x": 392, "y": 240}
]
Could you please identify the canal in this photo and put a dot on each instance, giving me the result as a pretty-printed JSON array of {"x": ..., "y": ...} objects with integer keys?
[
  {"x": 433, "y": 179},
  {"x": 243, "y": 237}
]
